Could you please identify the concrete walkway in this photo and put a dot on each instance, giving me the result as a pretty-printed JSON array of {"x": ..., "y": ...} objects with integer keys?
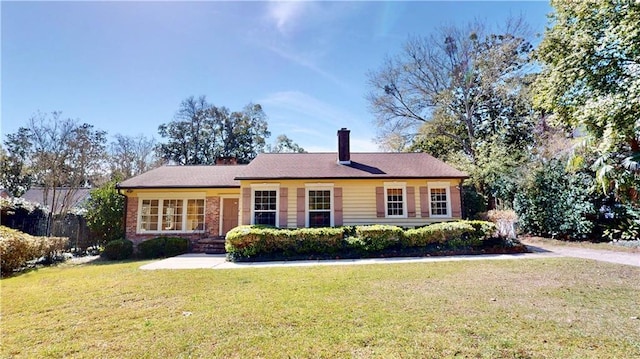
[
  {"x": 218, "y": 261},
  {"x": 632, "y": 259}
]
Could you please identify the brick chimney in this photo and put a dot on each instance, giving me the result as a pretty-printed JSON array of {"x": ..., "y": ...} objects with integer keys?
[
  {"x": 226, "y": 161},
  {"x": 344, "y": 154}
]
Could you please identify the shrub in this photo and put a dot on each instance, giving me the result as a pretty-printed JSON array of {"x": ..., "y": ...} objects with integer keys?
[
  {"x": 152, "y": 248},
  {"x": 483, "y": 229},
  {"x": 556, "y": 203},
  {"x": 438, "y": 233},
  {"x": 118, "y": 249},
  {"x": 505, "y": 221},
  {"x": 248, "y": 241},
  {"x": 16, "y": 248},
  {"x": 161, "y": 247},
  {"x": 175, "y": 246},
  {"x": 377, "y": 237}
]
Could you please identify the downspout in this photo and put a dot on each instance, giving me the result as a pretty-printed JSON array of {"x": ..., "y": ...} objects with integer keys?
[
  {"x": 124, "y": 213},
  {"x": 462, "y": 211}
]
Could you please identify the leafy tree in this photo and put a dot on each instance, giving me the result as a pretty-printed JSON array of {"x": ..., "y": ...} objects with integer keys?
[
  {"x": 105, "y": 213},
  {"x": 201, "y": 132},
  {"x": 556, "y": 203},
  {"x": 59, "y": 153},
  {"x": 14, "y": 172},
  {"x": 132, "y": 155},
  {"x": 590, "y": 81},
  {"x": 285, "y": 144}
]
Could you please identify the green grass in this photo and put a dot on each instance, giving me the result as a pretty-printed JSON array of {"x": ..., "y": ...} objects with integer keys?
[{"x": 556, "y": 307}]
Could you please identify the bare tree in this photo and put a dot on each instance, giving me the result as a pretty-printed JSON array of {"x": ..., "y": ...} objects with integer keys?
[
  {"x": 132, "y": 155},
  {"x": 62, "y": 157},
  {"x": 459, "y": 81}
]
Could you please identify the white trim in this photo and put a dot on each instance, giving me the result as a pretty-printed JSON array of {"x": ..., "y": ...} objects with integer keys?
[
  {"x": 265, "y": 187},
  {"x": 161, "y": 200},
  {"x": 318, "y": 187},
  {"x": 172, "y": 195},
  {"x": 439, "y": 185},
  {"x": 395, "y": 185}
]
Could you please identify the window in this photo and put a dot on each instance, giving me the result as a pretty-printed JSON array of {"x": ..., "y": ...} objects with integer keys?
[
  {"x": 319, "y": 209},
  {"x": 195, "y": 214},
  {"x": 171, "y": 215},
  {"x": 439, "y": 200},
  {"x": 265, "y": 207},
  {"x": 395, "y": 201},
  {"x": 149, "y": 215}
]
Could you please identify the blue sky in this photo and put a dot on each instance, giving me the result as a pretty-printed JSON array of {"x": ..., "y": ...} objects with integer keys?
[{"x": 126, "y": 66}]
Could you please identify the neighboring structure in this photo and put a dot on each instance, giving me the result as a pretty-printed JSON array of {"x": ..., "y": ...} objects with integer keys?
[
  {"x": 292, "y": 190},
  {"x": 66, "y": 198}
]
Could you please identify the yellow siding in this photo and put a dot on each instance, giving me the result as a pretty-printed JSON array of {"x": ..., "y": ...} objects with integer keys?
[{"x": 358, "y": 200}]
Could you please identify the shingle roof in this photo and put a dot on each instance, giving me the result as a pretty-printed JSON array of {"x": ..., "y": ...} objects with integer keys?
[
  {"x": 186, "y": 177},
  {"x": 363, "y": 165},
  {"x": 70, "y": 198}
]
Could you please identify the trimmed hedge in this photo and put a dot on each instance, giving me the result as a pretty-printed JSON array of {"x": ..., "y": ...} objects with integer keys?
[
  {"x": 118, "y": 250},
  {"x": 245, "y": 242},
  {"x": 377, "y": 237},
  {"x": 16, "y": 248},
  {"x": 161, "y": 247}
]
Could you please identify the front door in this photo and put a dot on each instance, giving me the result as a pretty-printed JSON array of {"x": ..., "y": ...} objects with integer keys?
[{"x": 229, "y": 214}]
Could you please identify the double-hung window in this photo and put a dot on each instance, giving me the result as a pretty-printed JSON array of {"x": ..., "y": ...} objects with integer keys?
[
  {"x": 395, "y": 199},
  {"x": 265, "y": 205},
  {"x": 171, "y": 215},
  {"x": 439, "y": 200},
  {"x": 319, "y": 208}
]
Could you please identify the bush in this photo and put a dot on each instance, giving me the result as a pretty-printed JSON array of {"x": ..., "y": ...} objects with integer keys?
[
  {"x": 437, "y": 233},
  {"x": 505, "y": 221},
  {"x": 377, "y": 237},
  {"x": 248, "y": 241},
  {"x": 161, "y": 247},
  {"x": 152, "y": 248},
  {"x": 118, "y": 249},
  {"x": 16, "y": 248},
  {"x": 556, "y": 203},
  {"x": 175, "y": 246},
  {"x": 260, "y": 242}
]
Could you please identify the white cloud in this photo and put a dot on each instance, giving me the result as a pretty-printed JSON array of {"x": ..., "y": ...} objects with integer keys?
[{"x": 285, "y": 14}]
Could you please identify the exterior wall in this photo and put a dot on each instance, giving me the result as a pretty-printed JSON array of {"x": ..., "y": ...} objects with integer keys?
[
  {"x": 211, "y": 212},
  {"x": 359, "y": 201}
]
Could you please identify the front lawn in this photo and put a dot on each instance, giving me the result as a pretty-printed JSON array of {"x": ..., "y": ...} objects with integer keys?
[{"x": 556, "y": 307}]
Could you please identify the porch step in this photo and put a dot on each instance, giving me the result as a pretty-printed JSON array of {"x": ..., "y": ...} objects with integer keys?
[{"x": 210, "y": 246}]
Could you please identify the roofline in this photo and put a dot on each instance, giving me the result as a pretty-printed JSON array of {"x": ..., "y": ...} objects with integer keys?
[
  {"x": 345, "y": 177},
  {"x": 159, "y": 187}
]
